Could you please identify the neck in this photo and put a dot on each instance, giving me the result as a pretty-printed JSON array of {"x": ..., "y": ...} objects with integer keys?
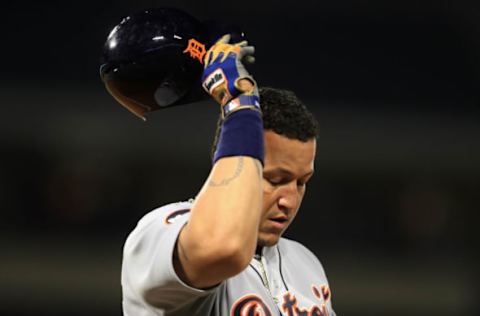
[{"x": 258, "y": 251}]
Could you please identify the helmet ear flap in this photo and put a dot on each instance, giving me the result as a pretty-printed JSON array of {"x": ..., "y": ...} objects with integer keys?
[{"x": 171, "y": 90}]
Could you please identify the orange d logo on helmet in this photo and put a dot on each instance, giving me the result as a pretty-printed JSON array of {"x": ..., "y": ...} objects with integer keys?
[{"x": 196, "y": 49}]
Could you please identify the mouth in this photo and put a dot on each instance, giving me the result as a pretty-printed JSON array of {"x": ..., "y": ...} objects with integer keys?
[{"x": 278, "y": 222}]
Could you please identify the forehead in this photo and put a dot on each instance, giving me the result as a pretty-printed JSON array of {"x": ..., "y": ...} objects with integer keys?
[{"x": 281, "y": 152}]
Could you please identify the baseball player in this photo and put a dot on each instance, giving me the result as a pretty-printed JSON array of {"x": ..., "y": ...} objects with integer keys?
[{"x": 223, "y": 253}]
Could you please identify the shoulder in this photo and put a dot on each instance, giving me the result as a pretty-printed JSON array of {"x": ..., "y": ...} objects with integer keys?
[
  {"x": 160, "y": 219},
  {"x": 289, "y": 246},
  {"x": 293, "y": 249},
  {"x": 167, "y": 214}
]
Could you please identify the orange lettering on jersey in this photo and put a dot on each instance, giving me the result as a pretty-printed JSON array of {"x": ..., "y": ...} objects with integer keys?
[
  {"x": 196, "y": 49},
  {"x": 254, "y": 305},
  {"x": 290, "y": 307},
  {"x": 250, "y": 305}
]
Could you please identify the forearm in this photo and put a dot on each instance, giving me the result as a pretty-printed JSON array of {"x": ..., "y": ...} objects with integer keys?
[
  {"x": 220, "y": 238},
  {"x": 227, "y": 210}
]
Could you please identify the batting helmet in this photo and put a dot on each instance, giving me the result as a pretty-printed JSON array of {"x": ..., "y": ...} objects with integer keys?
[{"x": 154, "y": 59}]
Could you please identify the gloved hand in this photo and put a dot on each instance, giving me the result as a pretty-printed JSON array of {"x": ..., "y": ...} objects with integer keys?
[{"x": 224, "y": 71}]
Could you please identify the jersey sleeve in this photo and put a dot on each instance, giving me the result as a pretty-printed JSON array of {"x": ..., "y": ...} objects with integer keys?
[{"x": 148, "y": 274}]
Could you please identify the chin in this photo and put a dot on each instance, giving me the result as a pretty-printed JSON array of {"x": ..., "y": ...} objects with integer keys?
[{"x": 268, "y": 240}]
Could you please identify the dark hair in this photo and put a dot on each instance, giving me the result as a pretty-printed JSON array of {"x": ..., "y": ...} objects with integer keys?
[{"x": 283, "y": 113}]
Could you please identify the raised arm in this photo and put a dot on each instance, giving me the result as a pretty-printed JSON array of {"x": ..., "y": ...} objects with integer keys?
[{"x": 220, "y": 238}]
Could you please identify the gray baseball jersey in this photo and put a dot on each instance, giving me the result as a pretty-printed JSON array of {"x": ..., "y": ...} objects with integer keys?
[{"x": 286, "y": 279}]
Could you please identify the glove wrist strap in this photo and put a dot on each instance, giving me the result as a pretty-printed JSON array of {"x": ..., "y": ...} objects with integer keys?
[
  {"x": 241, "y": 102},
  {"x": 241, "y": 135}
]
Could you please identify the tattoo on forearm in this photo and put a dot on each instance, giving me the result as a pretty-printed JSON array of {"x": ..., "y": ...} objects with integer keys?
[{"x": 226, "y": 181}]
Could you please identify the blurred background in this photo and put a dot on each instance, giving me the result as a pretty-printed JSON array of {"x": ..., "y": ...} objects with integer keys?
[{"x": 392, "y": 211}]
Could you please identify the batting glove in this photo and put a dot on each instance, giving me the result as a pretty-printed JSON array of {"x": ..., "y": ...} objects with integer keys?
[{"x": 223, "y": 72}]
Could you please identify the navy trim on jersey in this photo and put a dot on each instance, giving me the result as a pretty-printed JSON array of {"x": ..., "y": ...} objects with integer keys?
[
  {"x": 280, "y": 268},
  {"x": 261, "y": 279},
  {"x": 259, "y": 275}
]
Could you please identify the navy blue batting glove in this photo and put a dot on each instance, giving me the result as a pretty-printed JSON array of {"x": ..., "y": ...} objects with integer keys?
[{"x": 224, "y": 70}]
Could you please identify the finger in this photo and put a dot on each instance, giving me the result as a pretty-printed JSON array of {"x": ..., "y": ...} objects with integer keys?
[
  {"x": 224, "y": 39},
  {"x": 242, "y": 43},
  {"x": 249, "y": 59},
  {"x": 245, "y": 51},
  {"x": 208, "y": 58}
]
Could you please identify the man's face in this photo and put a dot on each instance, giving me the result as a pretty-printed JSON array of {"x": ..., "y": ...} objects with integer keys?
[{"x": 288, "y": 167}]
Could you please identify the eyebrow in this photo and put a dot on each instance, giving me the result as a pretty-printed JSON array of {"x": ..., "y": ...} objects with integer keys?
[{"x": 285, "y": 172}]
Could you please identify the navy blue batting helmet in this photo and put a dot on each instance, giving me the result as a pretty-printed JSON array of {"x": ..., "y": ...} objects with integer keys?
[{"x": 153, "y": 59}]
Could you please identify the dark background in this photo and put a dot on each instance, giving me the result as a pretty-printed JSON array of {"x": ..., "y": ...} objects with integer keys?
[{"x": 392, "y": 211}]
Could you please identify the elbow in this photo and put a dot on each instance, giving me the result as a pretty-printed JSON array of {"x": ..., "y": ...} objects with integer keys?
[
  {"x": 222, "y": 249},
  {"x": 224, "y": 260},
  {"x": 207, "y": 258},
  {"x": 235, "y": 255}
]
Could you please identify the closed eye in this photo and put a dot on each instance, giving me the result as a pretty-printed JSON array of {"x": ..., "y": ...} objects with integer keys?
[
  {"x": 276, "y": 182},
  {"x": 281, "y": 177}
]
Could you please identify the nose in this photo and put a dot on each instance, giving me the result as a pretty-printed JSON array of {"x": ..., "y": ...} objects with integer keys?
[{"x": 288, "y": 196}]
